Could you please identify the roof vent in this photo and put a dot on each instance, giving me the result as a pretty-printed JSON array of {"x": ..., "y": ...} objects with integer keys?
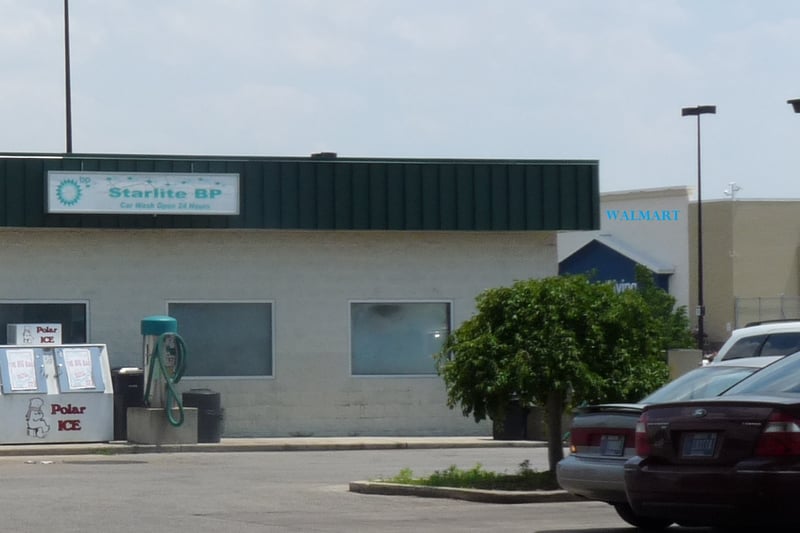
[{"x": 324, "y": 155}]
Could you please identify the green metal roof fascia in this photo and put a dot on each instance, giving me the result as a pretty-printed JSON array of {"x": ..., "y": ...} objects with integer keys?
[
  {"x": 244, "y": 158},
  {"x": 341, "y": 194}
]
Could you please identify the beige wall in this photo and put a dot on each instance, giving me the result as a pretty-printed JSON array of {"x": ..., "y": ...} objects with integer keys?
[
  {"x": 765, "y": 248},
  {"x": 750, "y": 251},
  {"x": 717, "y": 269},
  {"x": 310, "y": 277}
]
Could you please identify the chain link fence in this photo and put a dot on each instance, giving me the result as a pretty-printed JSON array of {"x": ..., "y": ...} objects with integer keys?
[{"x": 760, "y": 309}]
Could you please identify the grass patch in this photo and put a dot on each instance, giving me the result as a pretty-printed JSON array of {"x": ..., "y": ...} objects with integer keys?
[
  {"x": 106, "y": 451},
  {"x": 478, "y": 478}
]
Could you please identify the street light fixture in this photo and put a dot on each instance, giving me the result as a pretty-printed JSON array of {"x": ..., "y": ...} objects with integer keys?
[
  {"x": 701, "y": 311},
  {"x": 795, "y": 104}
]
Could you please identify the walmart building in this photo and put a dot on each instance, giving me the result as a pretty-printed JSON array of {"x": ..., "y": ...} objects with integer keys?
[
  {"x": 751, "y": 253},
  {"x": 311, "y": 292}
]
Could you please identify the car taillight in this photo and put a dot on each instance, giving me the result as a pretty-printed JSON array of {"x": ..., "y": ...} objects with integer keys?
[
  {"x": 643, "y": 448},
  {"x": 578, "y": 437},
  {"x": 780, "y": 436}
]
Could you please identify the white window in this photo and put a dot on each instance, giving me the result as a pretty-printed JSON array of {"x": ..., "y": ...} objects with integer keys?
[
  {"x": 71, "y": 316},
  {"x": 397, "y": 338},
  {"x": 225, "y": 339}
]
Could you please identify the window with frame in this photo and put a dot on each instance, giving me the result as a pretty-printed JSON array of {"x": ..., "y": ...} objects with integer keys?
[
  {"x": 71, "y": 316},
  {"x": 397, "y": 338},
  {"x": 225, "y": 339}
]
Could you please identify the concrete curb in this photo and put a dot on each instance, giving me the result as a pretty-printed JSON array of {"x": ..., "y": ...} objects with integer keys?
[
  {"x": 263, "y": 445},
  {"x": 472, "y": 495}
]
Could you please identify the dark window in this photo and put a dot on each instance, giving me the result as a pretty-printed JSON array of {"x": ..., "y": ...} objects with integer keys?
[
  {"x": 781, "y": 343},
  {"x": 71, "y": 316},
  {"x": 226, "y": 339},
  {"x": 747, "y": 347}
]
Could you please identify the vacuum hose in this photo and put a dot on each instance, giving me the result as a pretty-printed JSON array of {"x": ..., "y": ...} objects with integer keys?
[{"x": 159, "y": 357}]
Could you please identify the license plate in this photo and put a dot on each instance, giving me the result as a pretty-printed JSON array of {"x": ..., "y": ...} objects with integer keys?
[
  {"x": 612, "y": 445},
  {"x": 699, "y": 444}
]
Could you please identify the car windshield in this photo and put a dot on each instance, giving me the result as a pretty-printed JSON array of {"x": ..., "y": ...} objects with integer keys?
[
  {"x": 703, "y": 382},
  {"x": 780, "y": 377}
]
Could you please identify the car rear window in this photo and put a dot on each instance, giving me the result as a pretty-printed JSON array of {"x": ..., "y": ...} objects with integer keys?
[
  {"x": 783, "y": 376},
  {"x": 703, "y": 382}
]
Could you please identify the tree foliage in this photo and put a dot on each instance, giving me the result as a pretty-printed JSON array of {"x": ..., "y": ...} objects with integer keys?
[
  {"x": 673, "y": 321},
  {"x": 547, "y": 341}
]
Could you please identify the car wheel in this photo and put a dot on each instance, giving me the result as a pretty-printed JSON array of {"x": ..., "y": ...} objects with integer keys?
[{"x": 642, "y": 522}]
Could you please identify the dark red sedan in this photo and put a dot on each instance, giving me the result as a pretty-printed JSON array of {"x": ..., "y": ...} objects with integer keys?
[{"x": 730, "y": 460}]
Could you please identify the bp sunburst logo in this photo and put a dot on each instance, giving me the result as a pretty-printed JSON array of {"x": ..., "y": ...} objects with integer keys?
[{"x": 68, "y": 192}]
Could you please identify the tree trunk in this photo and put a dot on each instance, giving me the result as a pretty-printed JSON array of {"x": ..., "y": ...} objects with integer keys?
[{"x": 554, "y": 411}]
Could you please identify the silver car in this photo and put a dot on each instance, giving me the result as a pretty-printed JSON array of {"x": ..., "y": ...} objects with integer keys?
[{"x": 602, "y": 436}]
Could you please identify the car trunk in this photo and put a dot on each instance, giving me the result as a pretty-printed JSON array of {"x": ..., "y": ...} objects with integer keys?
[
  {"x": 605, "y": 430},
  {"x": 705, "y": 433}
]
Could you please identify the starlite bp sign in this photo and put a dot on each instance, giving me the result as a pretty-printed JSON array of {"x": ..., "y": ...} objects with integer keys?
[{"x": 142, "y": 193}]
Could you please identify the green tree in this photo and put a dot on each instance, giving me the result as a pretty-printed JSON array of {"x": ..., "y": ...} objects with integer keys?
[
  {"x": 673, "y": 321},
  {"x": 544, "y": 341}
]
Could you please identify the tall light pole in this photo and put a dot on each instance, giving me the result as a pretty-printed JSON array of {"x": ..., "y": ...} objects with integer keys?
[
  {"x": 67, "y": 77},
  {"x": 701, "y": 310}
]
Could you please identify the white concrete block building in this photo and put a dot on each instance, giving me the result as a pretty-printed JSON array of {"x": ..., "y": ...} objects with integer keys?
[{"x": 312, "y": 296}]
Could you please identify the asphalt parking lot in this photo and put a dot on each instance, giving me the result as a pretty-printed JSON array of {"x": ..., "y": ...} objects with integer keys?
[{"x": 281, "y": 490}]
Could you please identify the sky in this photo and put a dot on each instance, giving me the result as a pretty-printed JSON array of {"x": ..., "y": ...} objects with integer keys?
[{"x": 600, "y": 80}]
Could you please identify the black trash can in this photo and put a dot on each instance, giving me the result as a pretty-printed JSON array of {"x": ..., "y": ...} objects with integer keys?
[
  {"x": 209, "y": 413},
  {"x": 515, "y": 424},
  {"x": 128, "y": 383}
]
